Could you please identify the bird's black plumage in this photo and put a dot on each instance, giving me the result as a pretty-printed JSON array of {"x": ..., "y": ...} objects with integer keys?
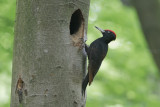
[{"x": 96, "y": 53}]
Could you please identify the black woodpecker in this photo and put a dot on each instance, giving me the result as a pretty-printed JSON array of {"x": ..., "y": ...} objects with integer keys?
[{"x": 96, "y": 53}]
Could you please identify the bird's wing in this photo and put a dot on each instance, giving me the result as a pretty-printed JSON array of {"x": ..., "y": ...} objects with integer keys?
[{"x": 95, "y": 57}]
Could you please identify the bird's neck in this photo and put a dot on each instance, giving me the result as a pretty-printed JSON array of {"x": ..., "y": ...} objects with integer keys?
[{"x": 106, "y": 40}]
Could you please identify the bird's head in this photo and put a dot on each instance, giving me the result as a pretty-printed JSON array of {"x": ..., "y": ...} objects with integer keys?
[{"x": 109, "y": 34}]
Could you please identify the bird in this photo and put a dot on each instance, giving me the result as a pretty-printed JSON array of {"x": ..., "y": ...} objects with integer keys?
[{"x": 96, "y": 52}]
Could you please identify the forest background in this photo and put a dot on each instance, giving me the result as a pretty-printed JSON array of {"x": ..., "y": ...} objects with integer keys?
[{"x": 128, "y": 76}]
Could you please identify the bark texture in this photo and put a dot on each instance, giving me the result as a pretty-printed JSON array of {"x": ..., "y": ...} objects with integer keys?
[
  {"x": 149, "y": 15},
  {"x": 49, "y": 61}
]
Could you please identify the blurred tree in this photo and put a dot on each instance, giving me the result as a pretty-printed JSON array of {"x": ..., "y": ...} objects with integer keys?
[
  {"x": 149, "y": 15},
  {"x": 49, "y": 62}
]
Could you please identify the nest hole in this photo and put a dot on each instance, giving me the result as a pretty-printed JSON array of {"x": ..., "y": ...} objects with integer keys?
[{"x": 76, "y": 21}]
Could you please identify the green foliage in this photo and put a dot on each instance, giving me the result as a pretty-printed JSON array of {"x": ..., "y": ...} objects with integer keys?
[
  {"x": 127, "y": 78},
  {"x": 7, "y": 15}
]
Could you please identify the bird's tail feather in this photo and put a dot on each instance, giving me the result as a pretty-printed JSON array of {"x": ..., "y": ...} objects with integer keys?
[{"x": 85, "y": 83}]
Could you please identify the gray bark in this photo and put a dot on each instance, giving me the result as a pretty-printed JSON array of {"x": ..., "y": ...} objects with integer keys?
[{"x": 49, "y": 63}]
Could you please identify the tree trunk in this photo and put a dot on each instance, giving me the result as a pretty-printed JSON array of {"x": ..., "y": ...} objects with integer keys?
[
  {"x": 149, "y": 14},
  {"x": 49, "y": 61}
]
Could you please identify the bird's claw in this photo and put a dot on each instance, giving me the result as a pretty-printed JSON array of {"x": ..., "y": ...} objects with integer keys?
[{"x": 82, "y": 42}]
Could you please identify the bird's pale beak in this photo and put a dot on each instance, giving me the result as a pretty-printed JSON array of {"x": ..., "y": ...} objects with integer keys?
[{"x": 101, "y": 30}]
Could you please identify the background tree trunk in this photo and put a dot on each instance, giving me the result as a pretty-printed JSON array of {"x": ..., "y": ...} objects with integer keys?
[
  {"x": 49, "y": 59},
  {"x": 149, "y": 15}
]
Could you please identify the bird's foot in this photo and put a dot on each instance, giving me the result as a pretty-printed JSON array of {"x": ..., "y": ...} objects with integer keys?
[{"x": 82, "y": 42}]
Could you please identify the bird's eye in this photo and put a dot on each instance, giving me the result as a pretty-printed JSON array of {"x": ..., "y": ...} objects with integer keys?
[{"x": 109, "y": 32}]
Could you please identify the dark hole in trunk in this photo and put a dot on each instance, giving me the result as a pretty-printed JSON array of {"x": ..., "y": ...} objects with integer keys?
[{"x": 76, "y": 21}]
